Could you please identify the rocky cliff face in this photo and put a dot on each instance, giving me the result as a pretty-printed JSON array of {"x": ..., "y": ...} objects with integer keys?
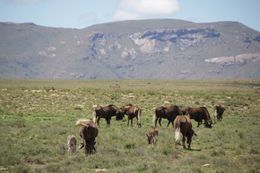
[{"x": 158, "y": 49}]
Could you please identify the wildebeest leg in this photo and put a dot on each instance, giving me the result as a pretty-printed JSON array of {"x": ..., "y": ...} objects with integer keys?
[
  {"x": 108, "y": 121},
  {"x": 128, "y": 121},
  {"x": 137, "y": 121},
  {"x": 154, "y": 140},
  {"x": 183, "y": 141},
  {"x": 189, "y": 142},
  {"x": 199, "y": 123},
  {"x": 86, "y": 147},
  {"x": 92, "y": 147},
  {"x": 131, "y": 122},
  {"x": 98, "y": 120},
  {"x": 168, "y": 123},
  {"x": 160, "y": 121},
  {"x": 155, "y": 122},
  {"x": 173, "y": 123}
]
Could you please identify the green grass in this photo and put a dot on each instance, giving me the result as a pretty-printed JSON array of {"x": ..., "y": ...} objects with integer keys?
[{"x": 37, "y": 116}]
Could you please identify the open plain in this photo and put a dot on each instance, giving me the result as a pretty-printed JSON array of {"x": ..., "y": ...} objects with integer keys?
[{"x": 37, "y": 116}]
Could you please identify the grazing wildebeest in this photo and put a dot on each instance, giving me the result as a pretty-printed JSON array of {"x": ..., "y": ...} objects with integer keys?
[
  {"x": 132, "y": 112},
  {"x": 106, "y": 112},
  {"x": 152, "y": 135},
  {"x": 219, "y": 110},
  {"x": 88, "y": 132},
  {"x": 183, "y": 127},
  {"x": 72, "y": 145},
  {"x": 199, "y": 114},
  {"x": 168, "y": 112}
]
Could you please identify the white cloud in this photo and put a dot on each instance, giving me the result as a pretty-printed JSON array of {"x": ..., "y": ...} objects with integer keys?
[
  {"x": 139, "y": 9},
  {"x": 124, "y": 15}
]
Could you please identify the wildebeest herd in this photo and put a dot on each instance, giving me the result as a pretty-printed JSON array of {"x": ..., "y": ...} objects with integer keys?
[{"x": 179, "y": 118}]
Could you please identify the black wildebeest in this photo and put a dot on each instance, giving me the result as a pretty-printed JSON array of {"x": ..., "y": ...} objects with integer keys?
[
  {"x": 199, "y": 114},
  {"x": 183, "y": 127},
  {"x": 152, "y": 135},
  {"x": 132, "y": 112},
  {"x": 88, "y": 132},
  {"x": 219, "y": 110},
  {"x": 168, "y": 112},
  {"x": 106, "y": 112}
]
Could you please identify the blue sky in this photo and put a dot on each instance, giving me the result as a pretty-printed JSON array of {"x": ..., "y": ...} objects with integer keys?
[{"x": 83, "y": 13}]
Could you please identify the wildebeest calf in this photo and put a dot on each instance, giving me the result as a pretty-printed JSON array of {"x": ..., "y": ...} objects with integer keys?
[
  {"x": 219, "y": 110},
  {"x": 72, "y": 145},
  {"x": 152, "y": 135},
  {"x": 183, "y": 126}
]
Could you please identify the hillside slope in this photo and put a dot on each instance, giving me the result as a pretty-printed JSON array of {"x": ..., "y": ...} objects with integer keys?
[{"x": 144, "y": 49}]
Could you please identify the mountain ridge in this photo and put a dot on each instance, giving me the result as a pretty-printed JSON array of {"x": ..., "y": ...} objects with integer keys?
[{"x": 144, "y": 49}]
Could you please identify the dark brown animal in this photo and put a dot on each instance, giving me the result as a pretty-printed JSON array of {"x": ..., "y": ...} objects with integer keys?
[
  {"x": 183, "y": 127},
  {"x": 168, "y": 112},
  {"x": 88, "y": 132},
  {"x": 152, "y": 135},
  {"x": 132, "y": 112},
  {"x": 199, "y": 114},
  {"x": 219, "y": 110},
  {"x": 106, "y": 112},
  {"x": 72, "y": 145}
]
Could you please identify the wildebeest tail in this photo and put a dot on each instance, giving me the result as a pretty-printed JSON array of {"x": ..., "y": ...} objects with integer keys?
[
  {"x": 215, "y": 115},
  {"x": 139, "y": 116},
  {"x": 94, "y": 117},
  {"x": 177, "y": 133}
]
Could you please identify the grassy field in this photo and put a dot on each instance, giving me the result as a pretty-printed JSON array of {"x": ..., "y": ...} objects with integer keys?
[{"x": 37, "y": 116}]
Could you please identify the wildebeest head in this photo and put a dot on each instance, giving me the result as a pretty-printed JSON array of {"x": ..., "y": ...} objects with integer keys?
[
  {"x": 186, "y": 111},
  {"x": 152, "y": 135},
  {"x": 120, "y": 113},
  {"x": 208, "y": 123},
  {"x": 149, "y": 138}
]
